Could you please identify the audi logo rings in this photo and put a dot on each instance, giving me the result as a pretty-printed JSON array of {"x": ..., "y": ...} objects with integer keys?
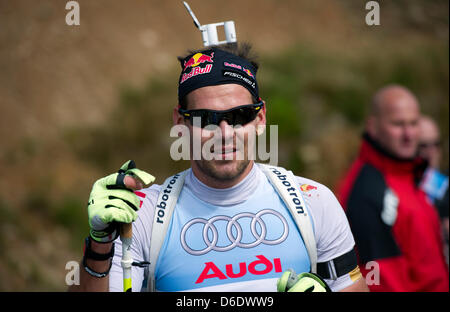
[{"x": 233, "y": 222}]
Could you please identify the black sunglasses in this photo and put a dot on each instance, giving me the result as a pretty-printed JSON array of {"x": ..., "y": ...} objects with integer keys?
[
  {"x": 240, "y": 115},
  {"x": 425, "y": 145}
]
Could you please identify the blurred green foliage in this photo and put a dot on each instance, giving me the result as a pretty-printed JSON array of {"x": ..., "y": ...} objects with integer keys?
[
  {"x": 71, "y": 215},
  {"x": 138, "y": 128}
]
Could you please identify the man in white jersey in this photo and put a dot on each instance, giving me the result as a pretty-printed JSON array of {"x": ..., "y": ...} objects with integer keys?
[{"x": 230, "y": 229}]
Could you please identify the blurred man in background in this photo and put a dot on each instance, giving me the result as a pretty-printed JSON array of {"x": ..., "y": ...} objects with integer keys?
[
  {"x": 392, "y": 221},
  {"x": 434, "y": 183}
]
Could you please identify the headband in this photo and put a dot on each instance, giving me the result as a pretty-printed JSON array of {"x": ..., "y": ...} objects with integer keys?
[{"x": 215, "y": 67}]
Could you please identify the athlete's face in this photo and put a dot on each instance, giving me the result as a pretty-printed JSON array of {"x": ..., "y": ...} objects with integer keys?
[
  {"x": 396, "y": 125},
  {"x": 227, "y": 145}
]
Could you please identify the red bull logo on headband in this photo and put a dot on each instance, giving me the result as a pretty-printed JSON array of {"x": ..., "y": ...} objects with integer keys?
[
  {"x": 194, "y": 62},
  {"x": 198, "y": 59},
  {"x": 248, "y": 72}
]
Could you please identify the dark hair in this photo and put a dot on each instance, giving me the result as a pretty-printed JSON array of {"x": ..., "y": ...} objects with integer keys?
[{"x": 243, "y": 50}]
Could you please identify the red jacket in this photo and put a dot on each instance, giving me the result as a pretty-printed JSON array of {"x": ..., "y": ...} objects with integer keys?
[{"x": 393, "y": 223}]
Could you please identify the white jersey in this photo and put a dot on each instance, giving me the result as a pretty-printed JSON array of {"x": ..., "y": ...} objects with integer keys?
[{"x": 236, "y": 239}]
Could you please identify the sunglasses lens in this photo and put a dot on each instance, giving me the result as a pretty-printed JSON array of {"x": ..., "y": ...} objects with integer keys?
[
  {"x": 245, "y": 115},
  {"x": 429, "y": 144},
  {"x": 204, "y": 117},
  {"x": 237, "y": 116},
  {"x": 240, "y": 116}
]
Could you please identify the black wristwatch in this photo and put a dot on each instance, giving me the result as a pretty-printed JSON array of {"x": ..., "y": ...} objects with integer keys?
[{"x": 90, "y": 254}]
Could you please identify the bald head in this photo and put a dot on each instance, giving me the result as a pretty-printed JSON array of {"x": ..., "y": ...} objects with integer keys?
[
  {"x": 429, "y": 141},
  {"x": 390, "y": 97},
  {"x": 429, "y": 130},
  {"x": 393, "y": 120}
]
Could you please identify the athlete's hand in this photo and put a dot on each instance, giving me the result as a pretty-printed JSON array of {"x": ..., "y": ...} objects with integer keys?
[
  {"x": 112, "y": 200},
  {"x": 304, "y": 282}
]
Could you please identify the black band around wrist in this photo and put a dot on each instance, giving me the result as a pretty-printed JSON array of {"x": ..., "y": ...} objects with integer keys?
[
  {"x": 94, "y": 273},
  {"x": 90, "y": 254}
]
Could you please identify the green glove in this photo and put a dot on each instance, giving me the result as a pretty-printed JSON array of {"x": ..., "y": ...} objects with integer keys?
[
  {"x": 304, "y": 282},
  {"x": 111, "y": 202}
]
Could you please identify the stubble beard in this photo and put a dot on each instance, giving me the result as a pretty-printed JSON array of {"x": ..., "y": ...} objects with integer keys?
[
  {"x": 215, "y": 168},
  {"x": 226, "y": 170}
]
